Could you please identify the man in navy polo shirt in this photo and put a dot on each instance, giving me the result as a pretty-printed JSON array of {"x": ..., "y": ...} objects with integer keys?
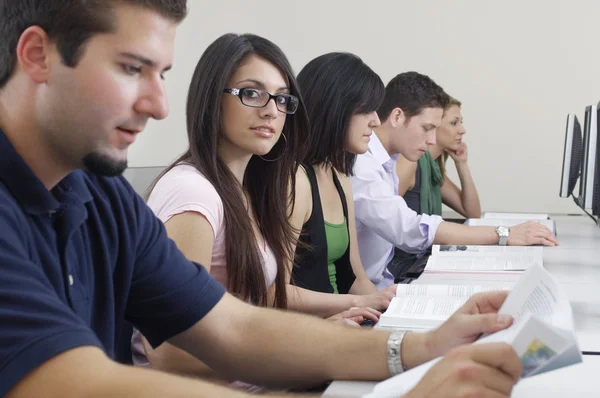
[{"x": 80, "y": 251}]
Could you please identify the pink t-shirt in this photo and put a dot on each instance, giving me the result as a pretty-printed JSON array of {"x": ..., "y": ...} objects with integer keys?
[{"x": 183, "y": 189}]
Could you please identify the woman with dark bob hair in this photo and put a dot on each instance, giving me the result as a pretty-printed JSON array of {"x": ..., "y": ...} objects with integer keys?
[{"x": 341, "y": 95}]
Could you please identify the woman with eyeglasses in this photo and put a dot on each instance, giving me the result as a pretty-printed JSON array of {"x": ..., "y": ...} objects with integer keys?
[
  {"x": 227, "y": 200},
  {"x": 341, "y": 95}
]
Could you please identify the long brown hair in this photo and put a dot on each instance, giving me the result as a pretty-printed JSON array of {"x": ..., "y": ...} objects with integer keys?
[
  {"x": 441, "y": 161},
  {"x": 270, "y": 185}
]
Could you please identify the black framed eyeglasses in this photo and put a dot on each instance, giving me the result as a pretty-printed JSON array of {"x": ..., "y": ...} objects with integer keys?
[{"x": 256, "y": 98}]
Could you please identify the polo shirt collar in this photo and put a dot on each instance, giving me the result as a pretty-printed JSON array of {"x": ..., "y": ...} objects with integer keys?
[{"x": 28, "y": 189}]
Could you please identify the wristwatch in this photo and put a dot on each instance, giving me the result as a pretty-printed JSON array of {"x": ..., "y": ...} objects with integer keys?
[
  {"x": 394, "y": 353},
  {"x": 502, "y": 232}
]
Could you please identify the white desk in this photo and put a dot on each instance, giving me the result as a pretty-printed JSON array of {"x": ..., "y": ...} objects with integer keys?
[
  {"x": 575, "y": 264},
  {"x": 579, "y": 381}
]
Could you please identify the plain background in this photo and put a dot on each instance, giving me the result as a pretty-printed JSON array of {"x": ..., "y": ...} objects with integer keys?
[{"x": 517, "y": 66}]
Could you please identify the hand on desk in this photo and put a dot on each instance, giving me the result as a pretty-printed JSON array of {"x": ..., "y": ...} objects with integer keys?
[
  {"x": 355, "y": 315},
  {"x": 531, "y": 233},
  {"x": 482, "y": 370},
  {"x": 380, "y": 300}
]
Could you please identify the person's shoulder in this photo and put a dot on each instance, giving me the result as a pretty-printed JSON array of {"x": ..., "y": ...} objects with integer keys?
[
  {"x": 344, "y": 180},
  {"x": 303, "y": 188},
  {"x": 187, "y": 180}
]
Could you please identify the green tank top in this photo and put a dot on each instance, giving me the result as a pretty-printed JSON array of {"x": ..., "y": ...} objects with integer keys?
[{"x": 337, "y": 244}]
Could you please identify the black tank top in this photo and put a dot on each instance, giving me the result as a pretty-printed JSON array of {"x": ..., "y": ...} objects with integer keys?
[{"x": 310, "y": 263}]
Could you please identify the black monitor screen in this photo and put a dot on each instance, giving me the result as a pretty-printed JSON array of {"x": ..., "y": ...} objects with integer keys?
[
  {"x": 571, "y": 156},
  {"x": 596, "y": 198}
]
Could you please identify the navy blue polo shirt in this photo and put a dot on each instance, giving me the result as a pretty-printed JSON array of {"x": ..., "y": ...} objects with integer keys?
[{"x": 76, "y": 261}]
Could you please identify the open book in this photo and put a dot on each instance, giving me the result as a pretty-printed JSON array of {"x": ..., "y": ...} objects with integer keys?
[
  {"x": 418, "y": 307},
  {"x": 542, "y": 332},
  {"x": 509, "y": 222},
  {"x": 462, "y": 258}
]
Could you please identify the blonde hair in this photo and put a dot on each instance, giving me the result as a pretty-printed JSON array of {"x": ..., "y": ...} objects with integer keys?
[{"x": 441, "y": 161}]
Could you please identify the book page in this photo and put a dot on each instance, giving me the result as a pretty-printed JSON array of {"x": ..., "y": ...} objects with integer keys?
[
  {"x": 540, "y": 346},
  {"x": 419, "y": 312},
  {"x": 460, "y": 291},
  {"x": 428, "y": 306},
  {"x": 520, "y": 216},
  {"x": 537, "y": 344},
  {"x": 489, "y": 262},
  {"x": 538, "y": 293}
]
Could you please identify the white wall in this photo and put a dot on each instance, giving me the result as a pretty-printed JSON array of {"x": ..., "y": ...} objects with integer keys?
[{"x": 518, "y": 67}]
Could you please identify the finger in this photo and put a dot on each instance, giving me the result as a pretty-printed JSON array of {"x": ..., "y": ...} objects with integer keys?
[
  {"x": 369, "y": 316},
  {"x": 541, "y": 241},
  {"x": 361, "y": 312},
  {"x": 357, "y": 319},
  {"x": 548, "y": 241},
  {"x": 552, "y": 238},
  {"x": 483, "y": 380},
  {"x": 467, "y": 391},
  {"x": 484, "y": 303},
  {"x": 349, "y": 322},
  {"x": 498, "y": 355},
  {"x": 497, "y": 380},
  {"x": 371, "y": 310},
  {"x": 474, "y": 325}
]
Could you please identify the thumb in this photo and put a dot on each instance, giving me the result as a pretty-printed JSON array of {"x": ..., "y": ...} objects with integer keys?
[{"x": 489, "y": 323}]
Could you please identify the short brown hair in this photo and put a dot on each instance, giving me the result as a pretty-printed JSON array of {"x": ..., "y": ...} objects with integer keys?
[
  {"x": 69, "y": 23},
  {"x": 412, "y": 92}
]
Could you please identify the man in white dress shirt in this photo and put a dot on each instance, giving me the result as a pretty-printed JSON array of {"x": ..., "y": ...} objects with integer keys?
[{"x": 410, "y": 114}]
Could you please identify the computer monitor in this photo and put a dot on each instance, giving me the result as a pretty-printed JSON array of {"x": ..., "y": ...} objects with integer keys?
[
  {"x": 590, "y": 152},
  {"x": 596, "y": 195},
  {"x": 571, "y": 156}
]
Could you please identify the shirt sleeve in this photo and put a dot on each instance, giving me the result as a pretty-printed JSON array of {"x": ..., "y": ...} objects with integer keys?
[
  {"x": 184, "y": 189},
  {"x": 35, "y": 324},
  {"x": 169, "y": 293},
  {"x": 377, "y": 206}
]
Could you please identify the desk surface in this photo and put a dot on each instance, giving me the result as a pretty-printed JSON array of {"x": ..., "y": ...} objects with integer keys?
[
  {"x": 575, "y": 264},
  {"x": 574, "y": 381}
]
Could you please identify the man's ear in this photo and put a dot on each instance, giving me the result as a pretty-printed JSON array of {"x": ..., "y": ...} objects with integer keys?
[
  {"x": 33, "y": 54},
  {"x": 397, "y": 117}
]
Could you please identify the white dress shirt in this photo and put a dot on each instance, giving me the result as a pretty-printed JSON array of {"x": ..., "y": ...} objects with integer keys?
[{"x": 383, "y": 219}]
